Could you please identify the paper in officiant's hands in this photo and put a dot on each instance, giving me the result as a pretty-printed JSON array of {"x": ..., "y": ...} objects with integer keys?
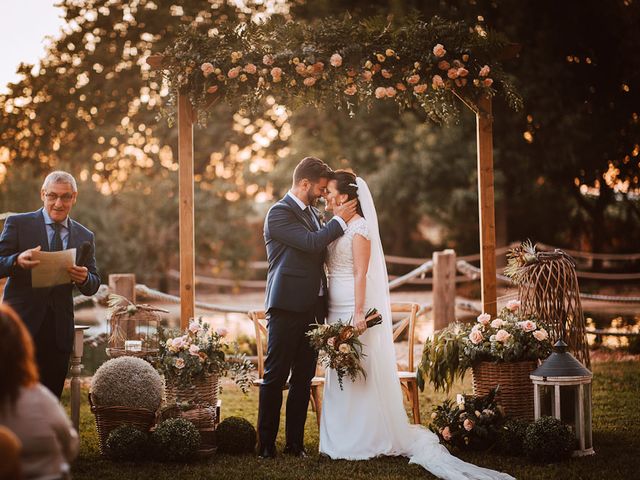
[{"x": 52, "y": 269}]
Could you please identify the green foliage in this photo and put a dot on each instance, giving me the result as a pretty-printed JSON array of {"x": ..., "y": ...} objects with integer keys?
[
  {"x": 235, "y": 435},
  {"x": 127, "y": 382},
  {"x": 511, "y": 437},
  {"x": 127, "y": 443},
  {"x": 441, "y": 359},
  {"x": 175, "y": 440},
  {"x": 549, "y": 440},
  {"x": 472, "y": 423}
]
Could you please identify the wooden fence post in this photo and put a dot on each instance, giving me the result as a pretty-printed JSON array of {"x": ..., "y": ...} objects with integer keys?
[{"x": 444, "y": 288}]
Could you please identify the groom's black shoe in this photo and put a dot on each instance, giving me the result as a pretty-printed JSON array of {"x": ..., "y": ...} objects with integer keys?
[
  {"x": 295, "y": 451},
  {"x": 267, "y": 452}
]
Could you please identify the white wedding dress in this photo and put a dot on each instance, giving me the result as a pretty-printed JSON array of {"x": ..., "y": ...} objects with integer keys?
[{"x": 367, "y": 419}]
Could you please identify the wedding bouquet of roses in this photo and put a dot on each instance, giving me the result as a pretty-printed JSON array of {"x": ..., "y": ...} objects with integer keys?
[{"x": 339, "y": 347}]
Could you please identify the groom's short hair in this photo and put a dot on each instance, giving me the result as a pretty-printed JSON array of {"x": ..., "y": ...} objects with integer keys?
[{"x": 311, "y": 168}]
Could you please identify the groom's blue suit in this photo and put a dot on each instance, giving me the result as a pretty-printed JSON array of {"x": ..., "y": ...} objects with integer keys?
[{"x": 296, "y": 245}]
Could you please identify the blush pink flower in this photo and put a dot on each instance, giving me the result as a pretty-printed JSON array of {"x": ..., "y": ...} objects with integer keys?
[
  {"x": 439, "y": 50},
  {"x": 391, "y": 92},
  {"x": 541, "y": 335},
  {"x": 452, "y": 73},
  {"x": 179, "y": 364},
  {"x": 194, "y": 349},
  {"x": 301, "y": 68},
  {"x": 380, "y": 92},
  {"x": 223, "y": 332},
  {"x": 444, "y": 65},
  {"x": 463, "y": 72},
  {"x": 268, "y": 60},
  {"x": 336, "y": 60},
  {"x": 331, "y": 341},
  {"x": 484, "y": 71},
  {"x": 420, "y": 88},
  {"x": 400, "y": 87},
  {"x": 309, "y": 81},
  {"x": 497, "y": 323},
  {"x": 212, "y": 89},
  {"x": 476, "y": 336},
  {"x": 276, "y": 74},
  {"x": 446, "y": 433},
  {"x": 513, "y": 305},
  {"x": 528, "y": 326},
  {"x": 366, "y": 75},
  {"x": 468, "y": 425},
  {"x": 487, "y": 82},
  {"x": 386, "y": 73},
  {"x": 250, "y": 68},
  {"x": 413, "y": 79},
  {"x": 234, "y": 72},
  {"x": 344, "y": 348},
  {"x": 502, "y": 336},
  {"x": 437, "y": 81},
  {"x": 207, "y": 69},
  {"x": 351, "y": 90},
  {"x": 194, "y": 327},
  {"x": 484, "y": 319}
]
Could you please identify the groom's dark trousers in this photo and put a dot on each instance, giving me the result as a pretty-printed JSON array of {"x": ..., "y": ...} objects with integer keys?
[{"x": 295, "y": 252}]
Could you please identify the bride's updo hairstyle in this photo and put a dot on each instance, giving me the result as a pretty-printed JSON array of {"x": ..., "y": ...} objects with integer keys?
[{"x": 346, "y": 185}]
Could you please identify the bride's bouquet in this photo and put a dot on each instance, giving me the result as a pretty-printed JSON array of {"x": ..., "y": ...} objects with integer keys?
[{"x": 339, "y": 347}]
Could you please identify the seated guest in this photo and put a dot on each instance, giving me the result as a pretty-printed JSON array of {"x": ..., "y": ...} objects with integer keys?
[
  {"x": 9, "y": 455},
  {"x": 30, "y": 410}
]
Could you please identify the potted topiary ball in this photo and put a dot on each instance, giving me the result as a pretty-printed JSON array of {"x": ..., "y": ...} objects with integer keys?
[
  {"x": 511, "y": 436},
  {"x": 124, "y": 390},
  {"x": 548, "y": 440},
  {"x": 235, "y": 435},
  {"x": 127, "y": 443},
  {"x": 175, "y": 440}
]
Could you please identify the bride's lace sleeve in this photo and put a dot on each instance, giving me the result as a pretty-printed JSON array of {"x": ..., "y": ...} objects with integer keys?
[{"x": 361, "y": 228}]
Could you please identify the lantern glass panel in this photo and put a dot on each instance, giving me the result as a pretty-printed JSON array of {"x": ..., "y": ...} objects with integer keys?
[
  {"x": 547, "y": 400},
  {"x": 587, "y": 416},
  {"x": 569, "y": 405}
]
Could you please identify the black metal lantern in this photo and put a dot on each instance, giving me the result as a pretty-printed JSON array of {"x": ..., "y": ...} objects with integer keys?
[{"x": 562, "y": 389}]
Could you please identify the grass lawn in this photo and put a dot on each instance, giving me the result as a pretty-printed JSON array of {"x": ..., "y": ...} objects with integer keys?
[{"x": 616, "y": 436}]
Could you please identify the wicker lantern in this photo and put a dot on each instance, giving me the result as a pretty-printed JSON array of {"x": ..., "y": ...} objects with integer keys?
[
  {"x": 562, "y": 389},
  {"x": 133, "y": 329}
]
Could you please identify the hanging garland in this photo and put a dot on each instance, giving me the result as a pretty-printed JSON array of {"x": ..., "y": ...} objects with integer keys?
[{"x": 341, "y": 63}]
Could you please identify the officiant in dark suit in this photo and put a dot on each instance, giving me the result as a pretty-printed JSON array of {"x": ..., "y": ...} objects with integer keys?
[
  {"x": 48, "y": 312},
  {"x": 296, "y": 298}
]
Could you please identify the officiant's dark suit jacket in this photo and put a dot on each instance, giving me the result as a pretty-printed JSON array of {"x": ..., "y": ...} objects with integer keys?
[
  {"x": 22, "y": 232},
  {"x": 295, "y": 252}
]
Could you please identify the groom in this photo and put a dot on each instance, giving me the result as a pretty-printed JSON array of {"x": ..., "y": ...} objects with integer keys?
[{"x": 296, "y": 298}]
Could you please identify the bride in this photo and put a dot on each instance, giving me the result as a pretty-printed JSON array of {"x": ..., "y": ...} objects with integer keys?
[{"x": 367, "y": 419}]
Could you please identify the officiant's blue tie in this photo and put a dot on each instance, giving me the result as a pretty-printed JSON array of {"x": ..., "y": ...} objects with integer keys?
[{"x": 56, "y": 241}]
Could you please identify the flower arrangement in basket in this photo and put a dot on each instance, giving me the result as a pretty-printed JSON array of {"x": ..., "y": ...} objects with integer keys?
[
  {"x": 471, "y": 423},
  {"x": 192, "y": 362},
  {"x": 340, "y": 348},
  {"x": 500, "y": 351}
]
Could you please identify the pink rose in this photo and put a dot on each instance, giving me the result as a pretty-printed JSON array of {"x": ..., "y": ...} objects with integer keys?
[
  {"x": 502, "y": 336},
  {"x": 234, "y": 72},
  {"x": 461, "y": 82},
  {"x": 250, "y": 68},
  {"x": 484, "y": 319},
  {"x": 179, "y": 364},
  {"x": 268, "y": 60},
  {"x": 351, "y": 90},
  {"x": 366, "y": 75},
  {"x": 446, "y": 433},
  {"x": 497, "y": 323},
  {"x": 527, "y": 326},
  {"x": 420, "y": 88},
  {"x": 541, "y": 335},
  {"x": 386, "y": 73},
  {"x": 487, "y": 82},
  {"x": 452, "y": 73},
  {"x": 439, "y": 50},
  {"x": 437, "y": 81},
  {"x": 444, "y": 65},
  {"x": 476, "y": 336},
  {"x": 207, "y": 69},
  {"x": 309, "y": 81},
  {"x": 222, "y": 332},
  {"x": 194, "y": 349},
  {"x": 301, "y": 69},
  {"x": 513, "y": 305},
  {"x": 400, "y": 87},
  {"x": 391, "y": 92},
  {"x": 194, "y": 327},
  {"x": 468, "y": 425},
  {"x": 381, "y": 92},
  {"x": 463, "y": 72},
  {"x": 484, "y": 71},
  {"x": 276, "y": 74},
  {"x": 335, "y": 60},
  {"x": 317, "y": 68},
  {"x": 212, "y": 89},
  {"x": 413, "y": 79},
  {"x": 331, "y": 341}
]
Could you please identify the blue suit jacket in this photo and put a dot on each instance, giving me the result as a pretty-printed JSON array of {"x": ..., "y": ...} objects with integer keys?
[
  {"x": 28, "y": 230},
  {"x": 295, "y": 252}
]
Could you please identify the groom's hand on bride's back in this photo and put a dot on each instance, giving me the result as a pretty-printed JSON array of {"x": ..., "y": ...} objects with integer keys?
[{"x": 347, "y": 210}]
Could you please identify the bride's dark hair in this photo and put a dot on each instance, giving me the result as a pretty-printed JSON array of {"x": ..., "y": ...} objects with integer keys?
[{"x": 346, "y": 185}]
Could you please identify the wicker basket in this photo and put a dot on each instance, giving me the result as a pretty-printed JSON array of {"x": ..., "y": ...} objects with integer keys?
[
  {"x": 516, "y": 390},
  {"x": 203, "y": 390},
  {"x": 109, "y": 418},
  {"x": 202, "y": 416}
]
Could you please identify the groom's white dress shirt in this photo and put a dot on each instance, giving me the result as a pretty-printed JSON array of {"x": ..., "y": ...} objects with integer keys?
[{"x": 304, "y": 207}]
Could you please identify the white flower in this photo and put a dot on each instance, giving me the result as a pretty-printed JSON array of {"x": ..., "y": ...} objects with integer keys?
[
  {"x": 513, "y": 305},
  {"x": 541, "y": 335},
  {"x": 460, "y": 399},
  {"x": 484, "y": 319}
]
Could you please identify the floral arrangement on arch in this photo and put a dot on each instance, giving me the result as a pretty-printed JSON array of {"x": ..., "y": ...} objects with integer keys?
[
  {"x": 510, "y": 337},
  {"x": 471, "y": 423},
  {"x": 201, "y": 351},
  {"x": 341, "y": 62}
]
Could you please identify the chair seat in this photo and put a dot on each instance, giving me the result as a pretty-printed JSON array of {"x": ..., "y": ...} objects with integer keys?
[
  {"x": 406, "y": 376},
  {"x": 315, "y": 382}
]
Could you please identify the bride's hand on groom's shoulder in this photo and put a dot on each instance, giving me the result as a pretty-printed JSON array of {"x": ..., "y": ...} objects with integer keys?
[{"x": 347, "y": 210}]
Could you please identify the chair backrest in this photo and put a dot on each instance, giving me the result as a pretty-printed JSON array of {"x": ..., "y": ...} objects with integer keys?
[
  {"x": 407, "y": 323},
  {"x": 259, "y": 320}
]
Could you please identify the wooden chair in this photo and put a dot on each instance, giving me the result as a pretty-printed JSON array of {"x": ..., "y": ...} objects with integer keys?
[
  {"x": 408, "y": 380},
  {"x": 260, "y": 325}
]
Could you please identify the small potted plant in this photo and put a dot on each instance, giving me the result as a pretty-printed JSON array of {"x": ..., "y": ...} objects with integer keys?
[{"x": 500, "y": 351}]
